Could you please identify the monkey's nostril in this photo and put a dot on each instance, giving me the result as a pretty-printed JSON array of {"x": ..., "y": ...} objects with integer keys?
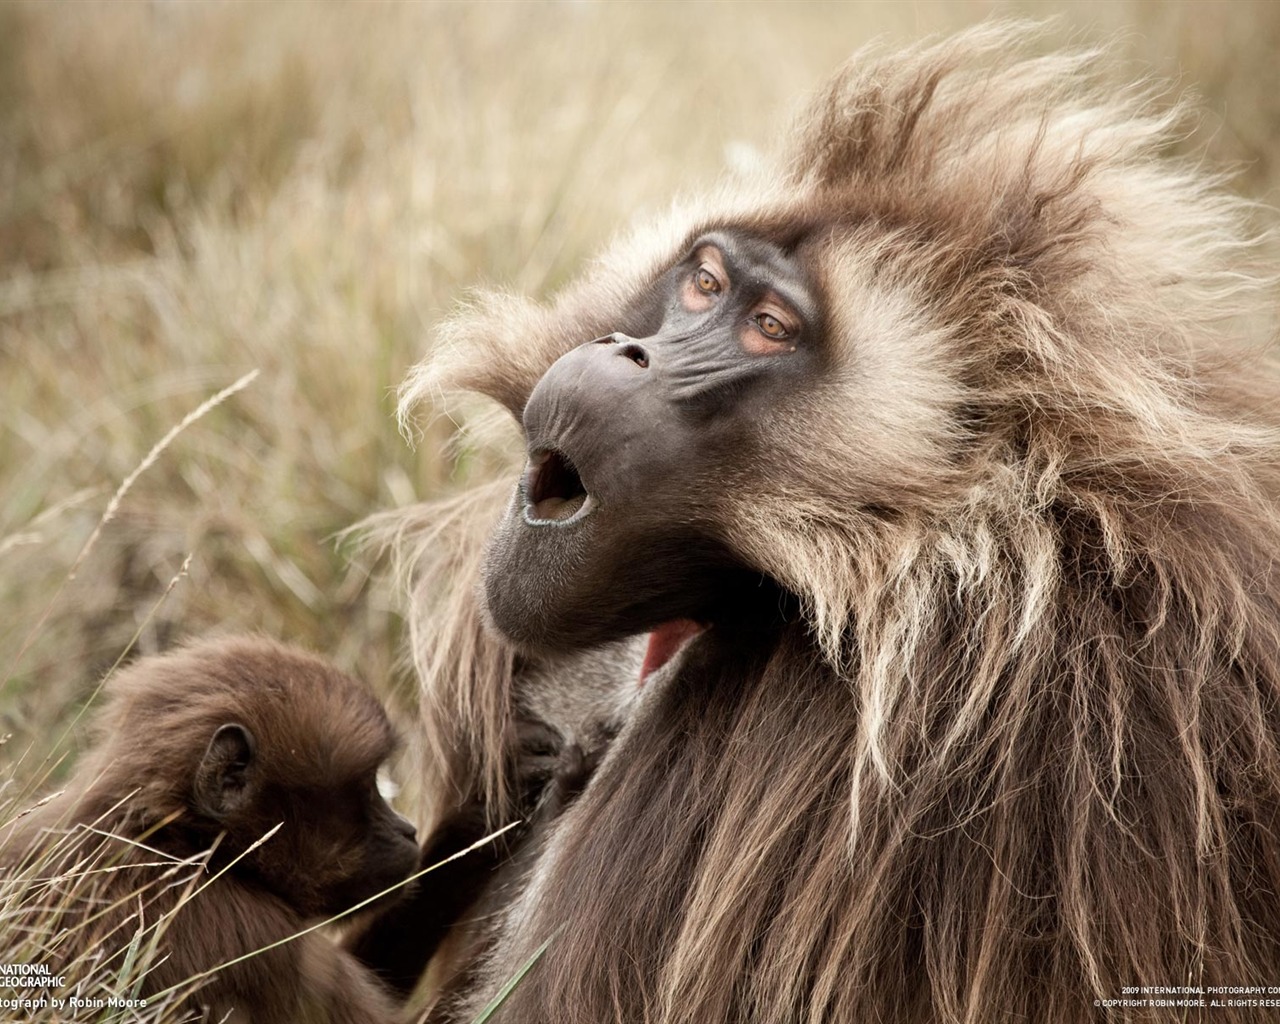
[{"x": 636, "y": 354}]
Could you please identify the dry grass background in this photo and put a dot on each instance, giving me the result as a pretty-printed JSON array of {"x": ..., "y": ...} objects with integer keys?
[{"x": 192, "y": 191}]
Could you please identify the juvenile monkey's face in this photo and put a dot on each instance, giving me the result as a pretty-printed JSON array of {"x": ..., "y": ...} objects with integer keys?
[
  {"x": 292, "y": 783},
  {"x": 340, "y": 845}
]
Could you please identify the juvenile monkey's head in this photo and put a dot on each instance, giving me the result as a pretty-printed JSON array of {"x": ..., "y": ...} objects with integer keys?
[{"x": 233, "y": 737}]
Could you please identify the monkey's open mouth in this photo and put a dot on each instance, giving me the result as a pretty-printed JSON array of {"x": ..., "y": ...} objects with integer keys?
[{"x": 553, "y": 490}]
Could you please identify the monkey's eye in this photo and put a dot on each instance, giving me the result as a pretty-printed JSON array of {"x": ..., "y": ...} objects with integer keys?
[
  {"x": 706, "y": 281},
  {"x": 771, "y": 326}
]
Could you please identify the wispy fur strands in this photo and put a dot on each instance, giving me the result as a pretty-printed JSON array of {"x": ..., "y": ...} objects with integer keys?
[
  {"x": 1022, "y": 751},
  {"x": 464, "y": 670}
]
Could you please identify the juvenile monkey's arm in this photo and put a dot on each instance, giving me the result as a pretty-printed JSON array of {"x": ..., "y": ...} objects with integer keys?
[{"x": 398, "y": 942}]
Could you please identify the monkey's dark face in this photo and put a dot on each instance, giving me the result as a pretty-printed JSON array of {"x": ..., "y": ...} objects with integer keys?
[
  {"x": 613, "y": 528},
  {"x": 355, "y": 846},
  {"x": 338, "y": 842}
]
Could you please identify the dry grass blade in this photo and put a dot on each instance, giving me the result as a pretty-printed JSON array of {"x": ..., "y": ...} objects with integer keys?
[
  {"x": 512, "y": 982},
  {"x": 114, "y": 504}
]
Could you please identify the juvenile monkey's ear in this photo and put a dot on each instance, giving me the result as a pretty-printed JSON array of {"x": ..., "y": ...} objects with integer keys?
[{"x": 224, "y": 778}]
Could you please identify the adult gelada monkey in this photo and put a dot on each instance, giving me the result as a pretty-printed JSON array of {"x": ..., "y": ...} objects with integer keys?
[
  {"x": 952, "y": 433},
  {"x": 214, "y": 746}
]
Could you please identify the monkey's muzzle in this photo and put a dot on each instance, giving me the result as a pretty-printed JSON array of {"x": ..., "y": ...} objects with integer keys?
[{"x": 597, "y": 426}]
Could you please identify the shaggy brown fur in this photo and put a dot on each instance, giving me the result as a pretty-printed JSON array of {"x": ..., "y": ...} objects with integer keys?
[
  {"x": 1022, "y": 748},
  {"x": 124, "y": 844}
]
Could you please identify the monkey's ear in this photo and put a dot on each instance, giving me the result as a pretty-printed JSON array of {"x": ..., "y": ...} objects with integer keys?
[{"x": 222, "y": 783}]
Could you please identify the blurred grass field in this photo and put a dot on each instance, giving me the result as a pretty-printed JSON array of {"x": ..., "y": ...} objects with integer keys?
[{"x": 189, "y": 192}]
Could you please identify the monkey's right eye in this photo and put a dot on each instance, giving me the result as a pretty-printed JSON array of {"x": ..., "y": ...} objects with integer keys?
[{"x": 706, "y": 281}]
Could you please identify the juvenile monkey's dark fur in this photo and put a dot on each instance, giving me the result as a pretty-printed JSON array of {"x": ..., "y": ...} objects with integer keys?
[
  {"x": 214, "y": 745},
  {"x": 1012, "y": 742}
]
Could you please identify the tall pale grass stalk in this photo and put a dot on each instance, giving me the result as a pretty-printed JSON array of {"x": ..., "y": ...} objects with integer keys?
[{"x": 113, "y": 505}]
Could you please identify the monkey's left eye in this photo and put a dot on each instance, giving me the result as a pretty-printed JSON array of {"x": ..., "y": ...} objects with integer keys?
[
  {"x": 706, "y": 281},
  {"x": 771, "y": 326}
]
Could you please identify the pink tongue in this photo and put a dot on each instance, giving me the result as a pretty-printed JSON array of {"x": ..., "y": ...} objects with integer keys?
[{"x": 664, "y": 642}]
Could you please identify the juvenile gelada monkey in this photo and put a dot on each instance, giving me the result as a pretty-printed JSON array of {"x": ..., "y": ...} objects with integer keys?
[{"x": 212, "y": 748}]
